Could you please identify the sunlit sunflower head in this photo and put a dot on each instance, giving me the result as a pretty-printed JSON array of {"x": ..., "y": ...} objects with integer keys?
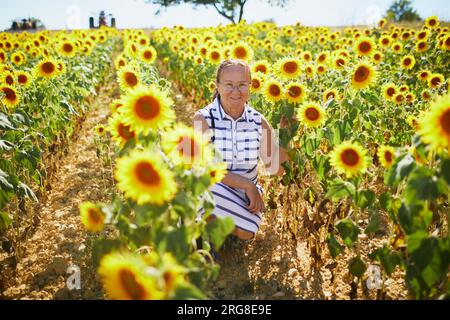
[
  {"x": 261, "y": 66},
  {"x": 410, "y": 97},
  {"x": 309, "y": 71},
  {"x": 18, "y": 58},
  {"x": 241, "y": 51},
  {"x": 212, "y": 86},
  {"x": 385, "y": 41},
  {"x": 273, "y": 90},
  {"x": 115, "y": 105},
  {"x": 126, "y": 276},
  {"x": 349, "y": 158},
  {"x": 100, "y": 129},
  {"x": 426, "y": 94},
  {"x": 92, "y": 217},
  {"x": 330, "y": 94},
  {"x": 257, "y": 83},
  {"x": 217, "y": 172},
  {"x": 186, "y": 146},
  {"x": 398, "y": 98},
  {"x": 144, "y": 177},
  {"x": 311, "y": 114},
  {"x": 446, "y": 42},
  {"x": 47, "y": 69},
  {"x": 386, "y": 155},
  {"x": 214, "y": 55},
  {"x": 435, "y": 80},
  {"x": 288, "y": 68},
  {"x": 148, "y": 55},
  {"x": 363, "y": 76},
  {"x": 128, "y": 78},
  {"x": 9, "y": 96},
  {"x": 364, "y": 46},
  {"x": 147, "y": 109},
  {"x": 24, "y": 78},
  {"x": 322, "y": 57},
  {"x": 432, "y": 22},
  {"x": 295, "y": 92},
  {"x": 424, "y": 75},
  {"x": 382, "y": 23},
  {"x": 421, "y": 46},
  {"x": 408, "y": 62},
  {"x": 2, "y": 56},
  {"x": 120, "y": 132},
  {"x": 120, "y": 62},
  {"x": 8, "y": 78},
  {"x": 339, "y": 62},
  {"x": 397, "y": 47},
  {"x": 413, "y": 122},
  {"x": 435, "y": 124},
  {"x": 306, "y": 56},
  {"x": 67, "y": 49}
]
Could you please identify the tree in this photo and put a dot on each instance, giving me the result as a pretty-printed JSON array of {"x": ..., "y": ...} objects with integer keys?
[
  {"x": 402, "y": 10},
  {"x": 230, "y": 9}
]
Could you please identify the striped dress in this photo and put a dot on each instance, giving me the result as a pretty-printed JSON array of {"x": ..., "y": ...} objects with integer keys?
[{"x": 238, "y": 142}]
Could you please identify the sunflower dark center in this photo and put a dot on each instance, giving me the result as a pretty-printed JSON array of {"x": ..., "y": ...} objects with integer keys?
[
  {"x": 365, "y": 47},
  {"x": 131, "y": 79},
  {"x": 275, "y": 90},
  {"x": 361, "y": 74},
  {"x": 125, "y": 132},
  {"x": 445, "y": 121},
  {"x": 9, "y": 94},
  {"x": 295, "y": 91},
  {"x": 95, "y": 215},
  {"x": 312, "y": 114},
  {"x": 350, "y": 157},
  {"x": 240, "y": 52},
  {"x": 130, "y": 285},
  {"x": 147, "y": 107},
  {"x": 388, "y": 156},
  {"x": 147, "y": 174},
  {"x": 48, "y": 67}
]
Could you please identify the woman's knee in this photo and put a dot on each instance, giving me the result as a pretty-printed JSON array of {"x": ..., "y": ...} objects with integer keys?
[{"x": 242, "y": 234}]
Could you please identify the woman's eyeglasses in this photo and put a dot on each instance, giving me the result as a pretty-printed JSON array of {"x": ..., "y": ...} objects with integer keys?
[{"x": 241, "y": 87}]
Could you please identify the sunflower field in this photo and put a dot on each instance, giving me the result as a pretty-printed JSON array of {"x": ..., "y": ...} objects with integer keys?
[{"x": 368, "y": 140}]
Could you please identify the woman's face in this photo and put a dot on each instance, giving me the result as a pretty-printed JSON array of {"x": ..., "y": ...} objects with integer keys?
[{"x": 233, "y": 87}]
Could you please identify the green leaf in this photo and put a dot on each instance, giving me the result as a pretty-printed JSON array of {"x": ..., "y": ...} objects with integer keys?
[
  {"x": 423, "y": 185},
  {"x": 187, "y": 291},
  {"x": 374, "y": 223},
  {"x": 401, "y": 168},
  {"x": 145, "y": 214},
  {"x": 218, "y": 229},
  {"x": 388, "y": 259},
  {"x": 334, "y": 246},
  {"x": 5, "y": 220},
  {"x": 357, "y": 267},
  {"x": 340, "y": 189},
  {"x": 366, "y": 199},
  {"x": 176, "y": 241},
  {"x": 445, "y": 170},
  {"x": 102, "y": 247},
  {"x": 348, "y": 231},
  {"x": 385, "y": 201},
  {"x": 321, "y": 165}
]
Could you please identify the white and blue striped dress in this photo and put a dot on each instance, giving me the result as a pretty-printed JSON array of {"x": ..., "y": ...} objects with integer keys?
[{"x": 238, "y": 142}]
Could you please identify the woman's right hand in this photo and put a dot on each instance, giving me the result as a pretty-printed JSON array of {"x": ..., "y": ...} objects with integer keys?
[{"x": 256, "y": 203}]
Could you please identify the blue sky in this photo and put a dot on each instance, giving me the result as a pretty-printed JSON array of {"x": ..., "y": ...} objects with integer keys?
[{"x": 136, "y": 14}]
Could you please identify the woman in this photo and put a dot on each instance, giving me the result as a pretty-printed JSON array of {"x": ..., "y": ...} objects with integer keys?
[{"x": 241, "y": 135}]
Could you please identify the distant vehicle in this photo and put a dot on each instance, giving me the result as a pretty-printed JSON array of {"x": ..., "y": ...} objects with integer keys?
[{"x": 102, "y": 21}]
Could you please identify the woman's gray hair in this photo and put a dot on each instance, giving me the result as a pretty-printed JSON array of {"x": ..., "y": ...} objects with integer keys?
[{"x": 229, "y": 63}]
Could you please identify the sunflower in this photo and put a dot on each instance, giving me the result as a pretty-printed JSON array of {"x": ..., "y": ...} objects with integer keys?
[
  {"x": 9, "y": 79},
  {"x": 386, "y": 155},
  {"x": 186, "y": 146},
  {"x": 363, "y": 76},
  {"x": 408, "y": 62},
  {"x": 67, "y": 49},
  {"x": 241, "y": 51},
  {"x": 257, "y": 83},
  {"x": 295, "y": 92},
  {"x": 426, "y": 94},
  {"x": 125, "y": 277},
  {"x": 364, "y": 46},
  {"x": 120, "y": 132},
  {"x": 10, "y": 96},
  {"x": 446, "y": 42},
  {"x": 144, "y": 178},
  {"x": 273, "y": 90},
  {"x": 215, "y": 56},
  {"x": 435, "y": 124},
  {"x": 147, "y": 108},
  {"x": 24, "y": 78},
  {"x": 385, "y": 41},
  {"x": 398, "y": 98},
  {"x": 432, "y": 22},
  {"x": 288, "y": 68},
  {"x": 92, "y": 217},
  {"x": 339, "y": 62},
  {"x": 100, "y": 129},
  {"x": 330, "y": 94},
  {"x": 435, "y": 80},
  {"x": 421, "y": 46},
  {"x": 212, "y": 86},
  {"x": 424, "y": 75},
  {"x": 128, "y": 78},
  {"x": 397, "y": 47},
  {"x": 261, "y": 66},
  {"x": 217, "y": 172},
  {"x": 148, "y": 55},
  {"x": 115, "y": 105},
  {"x": 306, "y": 56},
  {"x": 2, "y": 55},
  {"x": 382, "y": 23},
  {"x": 120, "y": 62},
  {"x": 311, "y": 114},
  {"x": 349, "y": 158},
  {"x": 47, "y": 69},
  {"x": 18, "y": 58},
  {"x": 322, "y": 57}
]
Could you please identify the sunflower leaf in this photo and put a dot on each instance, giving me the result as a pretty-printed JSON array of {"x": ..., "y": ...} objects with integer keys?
[
  {"x": 357, "y": 267},
  {"x": 348, "y": 231},
  {"x": 340, "y": 189}
]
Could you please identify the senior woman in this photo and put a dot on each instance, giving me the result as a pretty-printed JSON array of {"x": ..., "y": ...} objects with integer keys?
[{"x": 242, "y": 136}]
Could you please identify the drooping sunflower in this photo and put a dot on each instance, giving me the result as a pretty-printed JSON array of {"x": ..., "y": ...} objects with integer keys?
[
  {"x": 261, "y": 66},
  {"x": 363, "y": 76},
  {"x": 125, "y": 277},
  {"x": 288, "y": 68},
  {"x": 47, "y": 68},
  {"x": 241, "y": 51},
  {"x": 273, "y": 90},
  {"x": 295, "y": 92},
  {"x": 120, "y": 132},
  {"x": 128, "y": 78},
  {"x": 10, "y": 96},
  {"x": 435, "y": 124},
  {"x": 311, "y": 114},
  {"x": 435, "y": 80},
  {"x": 408, "y": 62},
  {"x": 147, "y": 108},
  {"x": 144, "y": 177},
  {"x": 349, "y": 158},
  {"x": 92, "y": 217},
  {"x": 24, "y": 78},
  {"x": 148, "y": 55},
  {"x": 186, "y": 146},
  {"x": 364, "y": 46},
  {"x": 386, "y": 155}
]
